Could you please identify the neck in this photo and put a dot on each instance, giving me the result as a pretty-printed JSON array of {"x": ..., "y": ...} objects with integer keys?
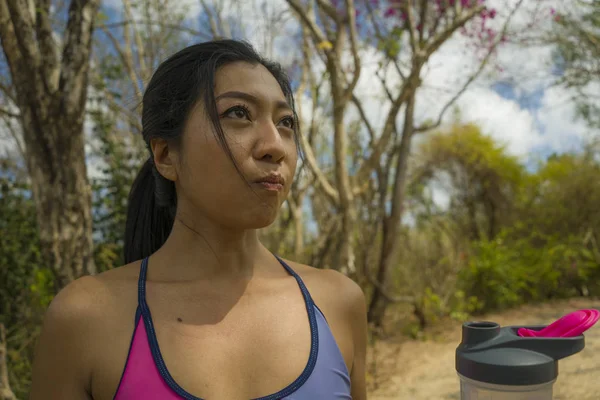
[{"x": 203, "y": 250}]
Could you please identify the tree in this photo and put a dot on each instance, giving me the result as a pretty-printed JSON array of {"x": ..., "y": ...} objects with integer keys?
[
  {"x": 407, "y": 34},
  {"x": 562, "y": 197},
  {"x": 576, "y": 35},
  {"x": 48, "y": 93},
  {"x": 482, "y": 180}
]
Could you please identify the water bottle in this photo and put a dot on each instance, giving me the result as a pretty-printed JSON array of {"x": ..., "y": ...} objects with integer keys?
[{"x": 517, "y": 363}]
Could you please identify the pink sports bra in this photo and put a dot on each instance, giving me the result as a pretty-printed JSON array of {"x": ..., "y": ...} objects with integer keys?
[{"x": 146, "y": 377}]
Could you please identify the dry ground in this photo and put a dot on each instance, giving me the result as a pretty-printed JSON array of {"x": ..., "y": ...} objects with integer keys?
[{"x": 424, "y": 369}]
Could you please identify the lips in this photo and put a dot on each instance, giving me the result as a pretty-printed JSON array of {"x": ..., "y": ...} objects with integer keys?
[
  {"x": 272, "y": 182},
  {"x": 273, "y": 179}
]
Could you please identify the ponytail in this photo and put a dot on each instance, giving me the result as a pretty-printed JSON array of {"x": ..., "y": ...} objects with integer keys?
[{"x": 150, "y": 213}]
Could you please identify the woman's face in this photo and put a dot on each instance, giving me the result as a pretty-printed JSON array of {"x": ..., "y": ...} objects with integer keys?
[{"x": 259, "y": 128}]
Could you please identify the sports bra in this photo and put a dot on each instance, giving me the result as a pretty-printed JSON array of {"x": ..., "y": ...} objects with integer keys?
[{"x": 146, "y": 377}]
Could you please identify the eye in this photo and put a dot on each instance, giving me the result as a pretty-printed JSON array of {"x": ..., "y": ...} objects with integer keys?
[
  {"x": 288, "y": 122},
  {"x": 237, "y": 112}
]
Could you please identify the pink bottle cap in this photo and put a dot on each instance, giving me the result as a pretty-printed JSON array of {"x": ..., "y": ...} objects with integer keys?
[{"x": 573, "y": 324}]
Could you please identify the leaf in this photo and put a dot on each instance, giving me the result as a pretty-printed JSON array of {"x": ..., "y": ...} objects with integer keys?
[{"x": 325, "y": 45}]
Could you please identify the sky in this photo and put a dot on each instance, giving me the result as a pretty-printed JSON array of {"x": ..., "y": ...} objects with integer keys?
[{"x": 512, "y": 103}]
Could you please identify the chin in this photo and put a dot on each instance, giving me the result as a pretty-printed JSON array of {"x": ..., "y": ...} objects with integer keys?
[{"x": 260, "y": 219}]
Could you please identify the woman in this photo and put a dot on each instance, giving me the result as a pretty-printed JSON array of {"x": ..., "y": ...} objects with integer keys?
[{"x": 203, "y": 310}]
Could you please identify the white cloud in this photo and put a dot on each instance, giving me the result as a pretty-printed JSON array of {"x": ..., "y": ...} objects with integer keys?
[
  {"x": 557, "y": 116},
  {"x": 503, "y": 119},
  {"x": 523, "y": 128}
]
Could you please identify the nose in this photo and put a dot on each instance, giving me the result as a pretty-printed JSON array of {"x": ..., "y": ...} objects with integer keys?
[{"x": 270, "y": 145}]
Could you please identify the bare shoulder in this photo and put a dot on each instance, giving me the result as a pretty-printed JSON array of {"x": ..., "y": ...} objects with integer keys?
[
  {"x": 86, "y": 298},
  {"x": 331, "y": 286},
  {"x": 84, "y": 305},
  {"x": 77, "y": 302},
  {"x": 75, "y": 330}
]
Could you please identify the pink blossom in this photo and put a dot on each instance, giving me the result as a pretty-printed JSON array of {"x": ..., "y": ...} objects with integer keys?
[{"x": 389, "y": 12}]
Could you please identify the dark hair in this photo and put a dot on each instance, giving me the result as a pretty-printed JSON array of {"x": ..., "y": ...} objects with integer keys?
[{"x": 177, "y": 85}]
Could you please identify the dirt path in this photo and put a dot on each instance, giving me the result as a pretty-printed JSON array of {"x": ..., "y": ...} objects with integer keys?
[{"x": 424, "y": 370}]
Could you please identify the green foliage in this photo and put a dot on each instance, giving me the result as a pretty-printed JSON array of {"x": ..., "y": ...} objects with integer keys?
[
  {"x": 546, "y": 243},
  {"x": 462, "y": 306},
  {"x": 507, "y": 272},
  {"x": 27, "y": 287},
  {"x": 121, "y": 161},
  {"x": 478, "y": 174},
  {"x": 563, "y": 197}
]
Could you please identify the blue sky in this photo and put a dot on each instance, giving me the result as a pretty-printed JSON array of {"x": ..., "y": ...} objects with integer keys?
[{"x": 517, "y": 106}]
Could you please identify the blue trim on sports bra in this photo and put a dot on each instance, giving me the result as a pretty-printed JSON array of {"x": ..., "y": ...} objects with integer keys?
[{"x": 156, "y": 354}]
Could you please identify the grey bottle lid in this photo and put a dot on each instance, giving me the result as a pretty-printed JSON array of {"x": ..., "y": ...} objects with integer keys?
[{"x": 491, "y": 354}]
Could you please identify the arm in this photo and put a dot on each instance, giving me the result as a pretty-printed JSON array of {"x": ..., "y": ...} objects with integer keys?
[
  {"x": 357, "y": 314},
  {"x": 61, "y": 367}
]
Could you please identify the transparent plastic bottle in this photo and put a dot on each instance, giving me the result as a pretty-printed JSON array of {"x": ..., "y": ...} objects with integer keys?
[{"x": 495, "y": 363}]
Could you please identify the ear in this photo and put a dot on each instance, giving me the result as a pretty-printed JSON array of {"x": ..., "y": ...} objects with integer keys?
[{"x": 165, "y": 158}]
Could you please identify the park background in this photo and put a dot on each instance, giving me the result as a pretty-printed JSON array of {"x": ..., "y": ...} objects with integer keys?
[{"x": 451, "y": 160}]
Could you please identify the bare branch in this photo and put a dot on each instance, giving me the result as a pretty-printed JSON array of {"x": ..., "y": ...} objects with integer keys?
[
  {"x": 329, "y": 190},
  {"x": 225, "y": 27},
  {"x": 127, "y": 61},
  {"x": 364, "y": 118},
  {"x": 482, "y": 65},
  {"x": 24, "y": 32},
  {"x": 329, "y": 9},
  {"x": 410, "y": 26},
  {"x": 406, "y": 91},
  {"x": 15, "y": 135},
  {"x": 47, "y": 45},
  {"x": 214, "y": 29},
  {"x": 75, "y": 57},
  {"x": 5, "y": 390},
  {"x": 132, "y": 117},
  {"x": 457, "y": 23},
  {"x": 9, "y": 114},
  {"x": 308, "y": 21},
  {"x": 354, "y": 48},
  {"x": 138, "y": 41},
  {"x": 388, "y": 296},
  {"x": 8, "y": 91},
  {"x": 382, "y": 38},
  {"x": 422, "y": 18},
  {"x": 180, "y": 28},
  {"x": 385, "y": 87}
]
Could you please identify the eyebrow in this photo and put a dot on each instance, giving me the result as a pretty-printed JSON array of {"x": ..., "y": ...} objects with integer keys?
[{"x": 279, "y": 104}]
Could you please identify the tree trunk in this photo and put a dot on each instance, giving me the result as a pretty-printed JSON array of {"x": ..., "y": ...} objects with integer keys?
[
  {"x": 340, "y": 146},
  {"x": 63, "y": 199},
  {"x": 5, "y": 391},
  {"x": 51, "y": 93},
  {"x": 391, "y": 223}
]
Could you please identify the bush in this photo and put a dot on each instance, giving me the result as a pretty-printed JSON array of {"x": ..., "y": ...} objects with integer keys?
[{"x": 504, "y": 273}]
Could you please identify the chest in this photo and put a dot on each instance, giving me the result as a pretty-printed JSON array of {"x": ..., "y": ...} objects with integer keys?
[
  {"x": 250, "y": 352},
  {"x": 215, "y": 349}
]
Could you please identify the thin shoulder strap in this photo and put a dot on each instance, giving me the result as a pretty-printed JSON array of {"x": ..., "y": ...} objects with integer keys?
[
  {"x": 142, "y": 283},
  {"x": 303, "y": 287}
]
